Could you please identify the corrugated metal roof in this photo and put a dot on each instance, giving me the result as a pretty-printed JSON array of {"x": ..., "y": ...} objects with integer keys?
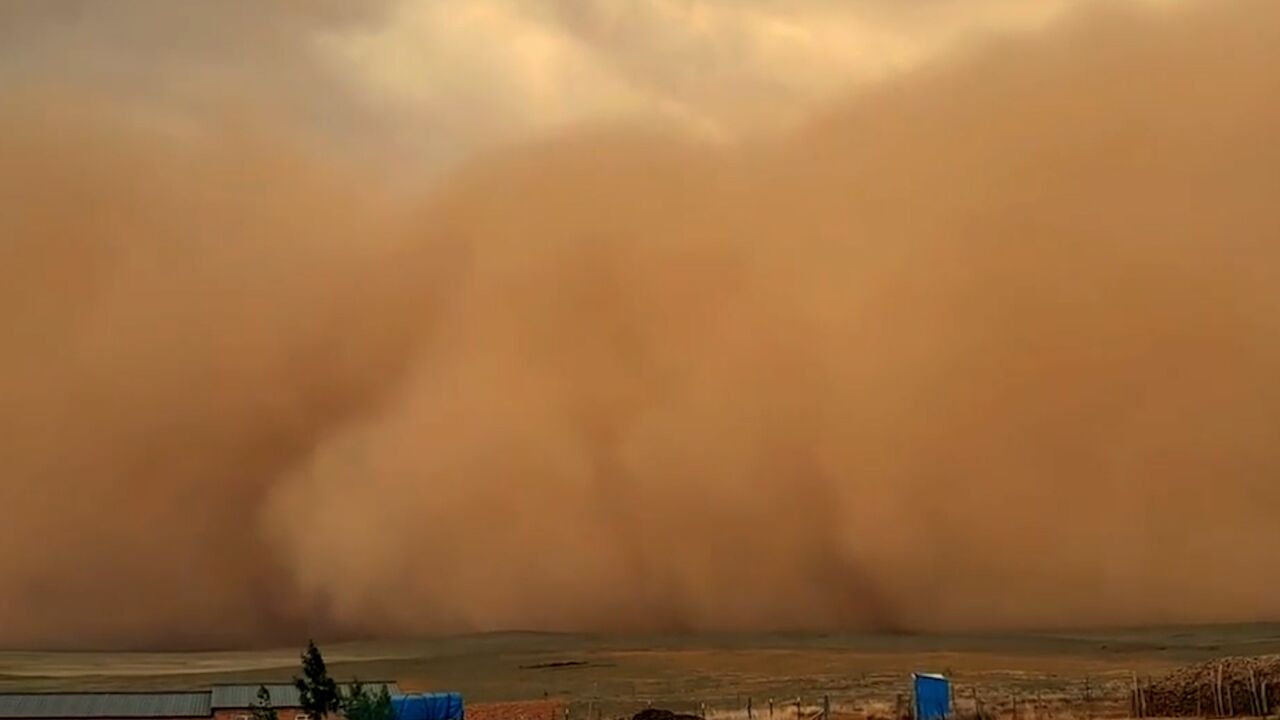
[
  {"x": 105, "y": 705},
  {"x": 74, "y": 706},
  {"x": 282, "y": 696}
]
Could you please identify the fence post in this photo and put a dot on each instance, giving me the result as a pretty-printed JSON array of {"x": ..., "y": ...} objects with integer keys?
[
  {"x": 1220, "y": 707},
  {"x": 826, "y": 707},
  {"x": 749, "y": 715},
  {"x": 1253, "y": 692}
]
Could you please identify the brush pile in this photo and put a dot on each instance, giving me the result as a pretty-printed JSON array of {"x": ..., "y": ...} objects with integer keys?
[{"x": 1228, "y": 687}]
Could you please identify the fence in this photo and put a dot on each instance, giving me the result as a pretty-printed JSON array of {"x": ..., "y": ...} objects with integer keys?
[{"x": 988, "y": 696}]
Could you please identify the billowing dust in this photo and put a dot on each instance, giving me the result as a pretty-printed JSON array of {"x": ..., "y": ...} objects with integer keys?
[{"x": 994, "y": 344}]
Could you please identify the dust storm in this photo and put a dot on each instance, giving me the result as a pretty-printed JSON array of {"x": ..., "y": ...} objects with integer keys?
[{"x": 986, "y": 344}]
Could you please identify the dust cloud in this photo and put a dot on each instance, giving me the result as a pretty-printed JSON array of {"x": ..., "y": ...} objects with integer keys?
[{"x": 989, "y": 344}]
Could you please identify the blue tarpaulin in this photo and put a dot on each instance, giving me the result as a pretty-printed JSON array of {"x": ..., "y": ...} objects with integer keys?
[
  {"x": 932, "y": 696},
  {"x": 428, "y": 706}
]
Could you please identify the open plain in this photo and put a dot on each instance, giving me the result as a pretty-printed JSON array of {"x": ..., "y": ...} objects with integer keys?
[{"x": 525, "y": 676}]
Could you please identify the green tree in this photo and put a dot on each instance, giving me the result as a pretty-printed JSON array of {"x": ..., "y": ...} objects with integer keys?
[
  {"x": 317, "y": 692},
  {"x": 382, "y": 709},
  {"x": 361, "y": 704},
  {"x": 262, "y": 709}
]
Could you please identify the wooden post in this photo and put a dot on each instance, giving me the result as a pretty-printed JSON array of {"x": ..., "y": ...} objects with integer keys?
[
  {"x": 770, "y": 708},
  {"x": 1254, "y": 705},
  {"x": 826, "y": 707},
  {"x": 1266, "y": 700},
  {"x": 749, "y": 715},
  {"x": 1217, "y": 693},
  {"x": 1137, "y": 699},
  {"x": 1088, "y": 699},
  {"x": 799, "y": 714},
  {"x": 1142, "y": 696},
  {"x": 1220, "y": 707}
]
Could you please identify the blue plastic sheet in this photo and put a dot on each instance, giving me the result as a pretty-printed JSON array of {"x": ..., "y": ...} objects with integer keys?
[{"x": 428, "y": 706}]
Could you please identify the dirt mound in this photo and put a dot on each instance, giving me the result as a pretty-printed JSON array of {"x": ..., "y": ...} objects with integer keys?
[
  {"x": 1219, "y": 688},
  {"x": 656, "y": 714}
]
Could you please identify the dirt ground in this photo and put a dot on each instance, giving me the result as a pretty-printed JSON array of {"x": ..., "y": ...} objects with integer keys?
[
  {"x": 540, "y": 676},
  {"x": 518, "y": 710}
]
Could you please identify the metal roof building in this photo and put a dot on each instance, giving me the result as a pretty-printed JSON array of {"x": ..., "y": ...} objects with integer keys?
[
  {"x": 170, "y": 705},
  {"x": 105, "y": 705}
]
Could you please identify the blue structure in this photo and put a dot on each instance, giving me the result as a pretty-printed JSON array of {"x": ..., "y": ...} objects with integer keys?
[
  {"x": 931, "y": 695},
  {"x": 428, "y": 706}
]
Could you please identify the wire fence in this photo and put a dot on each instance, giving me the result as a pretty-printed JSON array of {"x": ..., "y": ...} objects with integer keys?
[{"x": 1014, "y": 696}]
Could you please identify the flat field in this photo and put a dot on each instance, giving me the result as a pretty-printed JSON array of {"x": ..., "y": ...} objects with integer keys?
[{"x": 1026, "y": 675}]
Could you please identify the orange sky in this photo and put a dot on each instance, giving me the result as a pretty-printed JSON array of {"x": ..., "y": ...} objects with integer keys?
[{"x": 709, "y": 316}]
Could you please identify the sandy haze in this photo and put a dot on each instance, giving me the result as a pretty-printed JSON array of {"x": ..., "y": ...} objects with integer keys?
[{"x": 992, "y": 342}]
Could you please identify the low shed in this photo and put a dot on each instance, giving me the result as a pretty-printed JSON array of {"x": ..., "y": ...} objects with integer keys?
[
  {"x": 105, "y": 706},
  {"x": 222, "y": 702}
]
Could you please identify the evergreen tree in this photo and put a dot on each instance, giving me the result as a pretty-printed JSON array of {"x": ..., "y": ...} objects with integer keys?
[
  {"x": 317, "y": 692},
  {"x": 382, "y": 709},
  {"x": 361, "y": 704},
  {"x": 355, "y": 703},
  {"x": 262, "y": 709}
]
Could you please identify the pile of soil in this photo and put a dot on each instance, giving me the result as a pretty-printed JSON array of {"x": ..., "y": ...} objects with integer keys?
[
  {"x": 656, "y": 714},
  {"x": 1228, "y": 687}
]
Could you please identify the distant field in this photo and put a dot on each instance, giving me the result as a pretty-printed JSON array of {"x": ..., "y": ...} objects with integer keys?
[{"x": 617, "y": 675}]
